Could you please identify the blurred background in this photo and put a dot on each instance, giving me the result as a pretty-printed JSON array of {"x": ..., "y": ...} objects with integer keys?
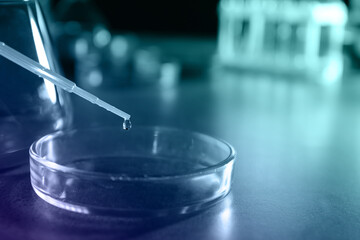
[
  {"x": 105, "y": 44},
  {"x": 132, "y": 43}
]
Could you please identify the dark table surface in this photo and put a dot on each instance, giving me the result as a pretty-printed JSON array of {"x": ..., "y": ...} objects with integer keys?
[{"x": 297, "y": 174}]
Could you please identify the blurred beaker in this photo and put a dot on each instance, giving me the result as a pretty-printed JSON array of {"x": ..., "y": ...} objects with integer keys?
[{"x": 29, "y": 106}]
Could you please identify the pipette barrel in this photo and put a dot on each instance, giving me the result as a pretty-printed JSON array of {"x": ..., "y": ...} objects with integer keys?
[
  {"x": 35, "y": 67},
  {"x": 95, "y": 100},
  {"x": 56, "y": 79}
]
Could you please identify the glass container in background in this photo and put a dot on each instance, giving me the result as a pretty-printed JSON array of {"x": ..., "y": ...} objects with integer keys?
[
  {"x": 106, "y": 61},
  {"x": 29, "y": 106},
  {"x": 296, "y": 37},
  {"x": 98, "y": 58}
]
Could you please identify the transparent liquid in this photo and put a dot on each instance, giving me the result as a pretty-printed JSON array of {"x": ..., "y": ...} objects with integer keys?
[
  {"x": 129, "y": 185},
  {"x": 127, "y": 124},
  {"x": 147, "y": 171},
  {"x": 137, "y": 166}
]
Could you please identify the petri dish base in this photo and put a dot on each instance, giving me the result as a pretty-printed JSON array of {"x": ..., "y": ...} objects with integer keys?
[{"x": 148, "y": 171}]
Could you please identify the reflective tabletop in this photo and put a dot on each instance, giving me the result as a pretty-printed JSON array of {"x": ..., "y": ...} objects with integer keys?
[{"x": 297, "y": 174}]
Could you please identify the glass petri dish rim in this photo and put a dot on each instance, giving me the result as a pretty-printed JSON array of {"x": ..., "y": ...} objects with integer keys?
[{"x": 33, "y": 151}]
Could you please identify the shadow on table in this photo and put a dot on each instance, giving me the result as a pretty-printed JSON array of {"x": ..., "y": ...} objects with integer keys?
[
  {"x": 15, "y": 162},
  {"x": 23, "y": 215}
]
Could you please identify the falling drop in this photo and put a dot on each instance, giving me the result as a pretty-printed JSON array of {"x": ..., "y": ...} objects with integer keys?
[{"x": 126, "y": 124}]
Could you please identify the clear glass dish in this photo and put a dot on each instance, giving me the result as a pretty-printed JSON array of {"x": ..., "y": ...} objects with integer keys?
[{"x": 147, "y": 171}]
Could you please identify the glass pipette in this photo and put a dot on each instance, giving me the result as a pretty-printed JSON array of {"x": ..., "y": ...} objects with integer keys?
[{"x": 59, "y": 80}]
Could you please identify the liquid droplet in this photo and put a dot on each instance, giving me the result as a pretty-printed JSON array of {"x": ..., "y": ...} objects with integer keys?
[{"x": 126, "y": 124}]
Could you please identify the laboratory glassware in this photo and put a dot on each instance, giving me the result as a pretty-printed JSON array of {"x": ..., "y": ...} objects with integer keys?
[
  {"x": 148, "y": 171},
  {"x": 287, "y": 37},
  {"x": 59, "y": 81},
  {"x": 30, "y": 107}
]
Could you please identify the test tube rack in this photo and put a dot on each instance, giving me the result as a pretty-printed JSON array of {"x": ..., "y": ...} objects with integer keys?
[{"x": 283, "y": 36}]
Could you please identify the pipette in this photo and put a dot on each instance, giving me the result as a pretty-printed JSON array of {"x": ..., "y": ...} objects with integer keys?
[{"x": 59, "y": 81}]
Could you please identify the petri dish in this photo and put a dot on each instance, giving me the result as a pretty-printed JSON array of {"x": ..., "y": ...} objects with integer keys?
[{"x": 147, "y": 171}]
